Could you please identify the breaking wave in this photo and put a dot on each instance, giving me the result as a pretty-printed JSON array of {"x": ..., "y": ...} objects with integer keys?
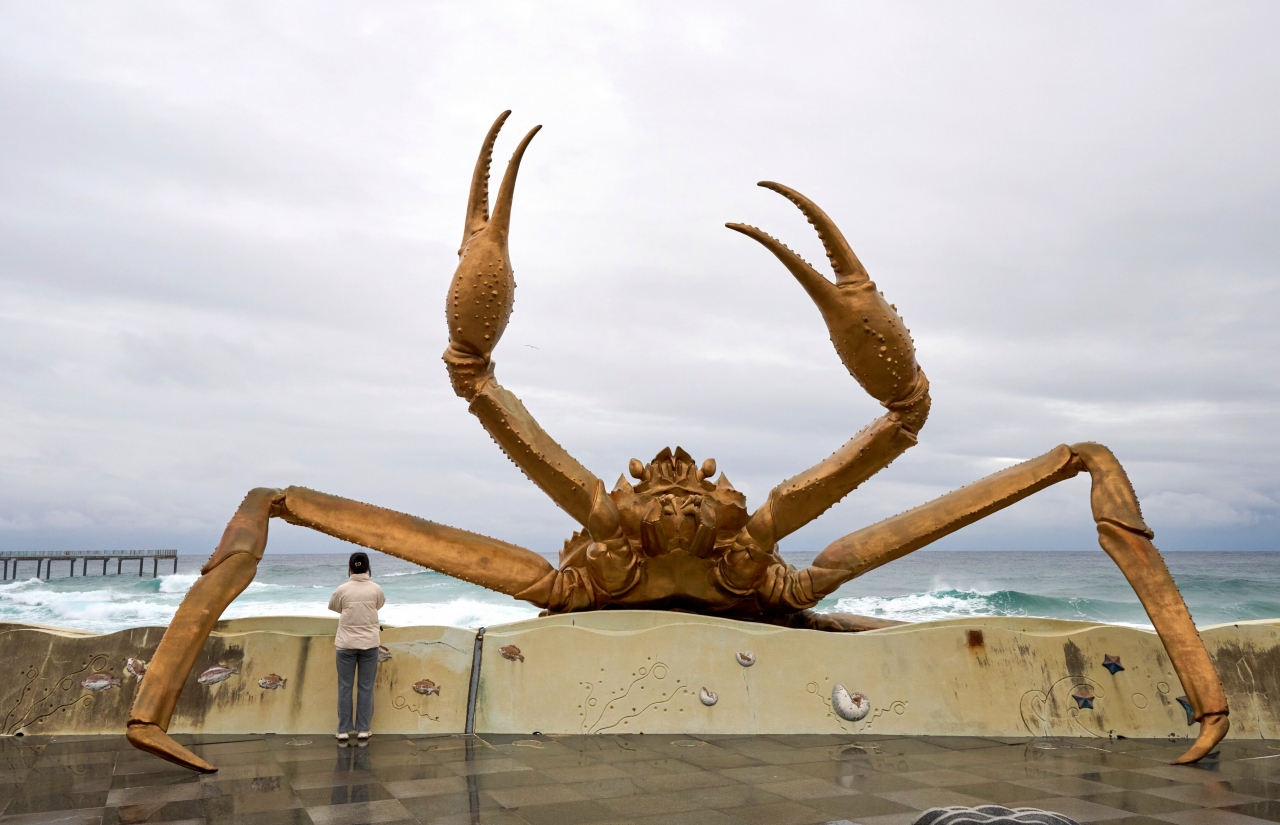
[
  {"x": 1218, "y": 587},
  {"x": 957, "y": 604}
]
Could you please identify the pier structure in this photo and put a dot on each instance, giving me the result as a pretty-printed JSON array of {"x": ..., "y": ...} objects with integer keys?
[{"x": 44, "y": 560}]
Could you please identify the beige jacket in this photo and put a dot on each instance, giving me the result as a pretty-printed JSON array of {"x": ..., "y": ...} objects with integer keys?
[{"x": 358, "y": 600}]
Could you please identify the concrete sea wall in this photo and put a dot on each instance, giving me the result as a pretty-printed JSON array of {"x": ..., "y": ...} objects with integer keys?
[{"x": 653, "y": 672}]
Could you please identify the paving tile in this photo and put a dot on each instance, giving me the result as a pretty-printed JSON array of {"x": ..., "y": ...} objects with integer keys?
[
  {"x": 499, "y": 765},
  {"x": 429, "y": 808},
  {"x": 282, "y": 816},
  {"x": 584, "y": 773},
  {"x": 788, "y": 756},
  {"x": 1139, "y": 802},
  {"x": 329, "y": 779},
  {"x": 510, "y": 779},
  {"x": 1209, "y": 795},
  {"x": 245, "y": 772},
  {"x": 161, "y": 816},
  {"x": 875, "y": 783},
  {"x": 659, "y": 783},
  {"x": 535, "y": 795},
  {"x": 650, "y": 804},
  {"x": 967, "y": 758},
  {"x": 761, "y": 774},
  {"x": 1079, "y": 809},
  {"x": 999, "y": 793},
  {"x": 730, "y": 796},
  {"x": 699, "y": 817},
  {"x": 341, "y": 795},
  {"x": 1186, "y": 774},
  {"x": 238, "y": 804},
  {"x": 232, "y": 787},
  {"x": 37, "y": 799},
  {"x": 832, "y": 770},
  {"x": 401, "y": 773},
  {"x": 800, "y": 789},
  {"x": 890, "y": 819},
  {"x": 1268, "y": 809},
  {"x": 1132, "y": 780},
  {"x": 80, "y": 816},
  {"x": 1210, "y": 816},
  {"x": 153, "y": 794},
  {"x": 1253, "y": 787},
  {"x": 185, "y": 810},
  {"x": 942, "y": 777},
  {"x": 858, "y": 806},
  {"x": 962, "y": 742},
  {"x": 497, "y": 816},
  {"x": 1011, "y": 771},
  {"x": 76, "y": 758},
  {"x": 359, "y": 813},
  {"x": 608, "y": 788},
  {"x": 427, "y": 787},
  {"x": 1065, "y": 786},
  {"x": 905, "y": 745},
  {"x": 567, "y": 813},
  {"x": 779, "y": 813},
  {"x": 923, "y": 798},
  {"x": 541, "y": 762}
]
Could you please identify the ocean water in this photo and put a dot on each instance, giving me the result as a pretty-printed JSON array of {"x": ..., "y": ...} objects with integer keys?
[{"x": 1218, "y": 587}]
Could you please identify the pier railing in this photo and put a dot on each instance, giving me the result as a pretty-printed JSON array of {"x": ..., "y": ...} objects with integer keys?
[{"x": 44, "y": 560}]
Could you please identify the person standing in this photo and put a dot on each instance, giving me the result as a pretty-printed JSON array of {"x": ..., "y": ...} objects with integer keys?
[{"x": 357, "y": 601}]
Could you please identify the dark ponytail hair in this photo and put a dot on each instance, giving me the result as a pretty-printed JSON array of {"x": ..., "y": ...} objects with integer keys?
[{"x": 358, "y": 563}]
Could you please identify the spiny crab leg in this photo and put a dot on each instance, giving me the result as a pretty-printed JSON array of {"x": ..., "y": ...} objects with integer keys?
[
  {"x": 482, "y": 293},
  {"x": 478, "y": 559},
  {"x": 1122, "y": 533},
  {"x": 875, "y": 346},
  {"x": 871, "y": 340},
  {"x": 477, "y": 309}
]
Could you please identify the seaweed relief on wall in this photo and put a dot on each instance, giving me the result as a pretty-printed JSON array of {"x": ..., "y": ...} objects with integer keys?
[
  {"x": 648, "y": 689},
  {"x": 1068, "y": 707},
  {"x": 40, "y": 696}
]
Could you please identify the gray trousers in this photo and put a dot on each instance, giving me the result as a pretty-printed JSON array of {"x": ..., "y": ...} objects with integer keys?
[{"x": 347, "y": 662}]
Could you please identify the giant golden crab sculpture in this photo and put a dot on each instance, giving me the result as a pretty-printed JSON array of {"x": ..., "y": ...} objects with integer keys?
[{"x": 677, "y": 539}]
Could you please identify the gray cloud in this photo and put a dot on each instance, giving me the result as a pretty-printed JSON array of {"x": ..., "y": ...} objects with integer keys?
[{"x": 226, "y": 231}]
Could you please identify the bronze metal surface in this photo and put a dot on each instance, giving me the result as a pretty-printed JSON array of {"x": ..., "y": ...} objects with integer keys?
[{"x": 676, "y": 538}]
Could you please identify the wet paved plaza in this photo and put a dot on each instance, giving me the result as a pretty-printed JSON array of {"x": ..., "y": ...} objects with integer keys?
[{"x": 658, "y": 779}]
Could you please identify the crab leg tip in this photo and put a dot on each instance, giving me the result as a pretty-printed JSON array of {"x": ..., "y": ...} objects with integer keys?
[
  {"x": 1213, "y": 726},
  {"x": 154, "y": 740}
]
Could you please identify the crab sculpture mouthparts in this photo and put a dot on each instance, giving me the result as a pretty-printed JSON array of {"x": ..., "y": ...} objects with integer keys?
[{"x": 676, "y": 539}]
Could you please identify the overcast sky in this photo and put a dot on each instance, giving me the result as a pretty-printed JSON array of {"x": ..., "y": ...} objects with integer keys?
[{"x": 226, "y": 232}]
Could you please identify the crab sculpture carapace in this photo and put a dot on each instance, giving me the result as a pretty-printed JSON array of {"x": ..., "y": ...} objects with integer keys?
[{"x": 676, "y": 539}]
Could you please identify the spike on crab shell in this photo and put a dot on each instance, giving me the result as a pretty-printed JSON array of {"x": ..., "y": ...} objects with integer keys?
[
  {"x": 511, "y": 653},
  {"x": 383, "y": 653},
  {"x": 850, "y": 707},
  {"x": 100, "y": 681},
  {"x": 426, "y": 687},
  {"x": 746, "y": 658},
  {"x": 135, "y": 668},
  {"x": 271, "y": 681},
  {"x": 708, "y": 697},
  {"x": 217, "y": 673}
]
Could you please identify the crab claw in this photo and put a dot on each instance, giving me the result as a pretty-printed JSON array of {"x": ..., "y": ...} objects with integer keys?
[
  {"x": 483, "y": 289},
  {"x": 868, "y": 335}
]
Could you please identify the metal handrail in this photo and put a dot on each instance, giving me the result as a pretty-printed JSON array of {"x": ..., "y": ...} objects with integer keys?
[{"x": 89, "y": 554}]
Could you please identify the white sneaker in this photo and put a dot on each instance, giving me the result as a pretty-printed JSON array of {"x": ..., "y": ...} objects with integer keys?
[
  {"x": 342, "y": 737},
  {"x": 362, "y": 735}
]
